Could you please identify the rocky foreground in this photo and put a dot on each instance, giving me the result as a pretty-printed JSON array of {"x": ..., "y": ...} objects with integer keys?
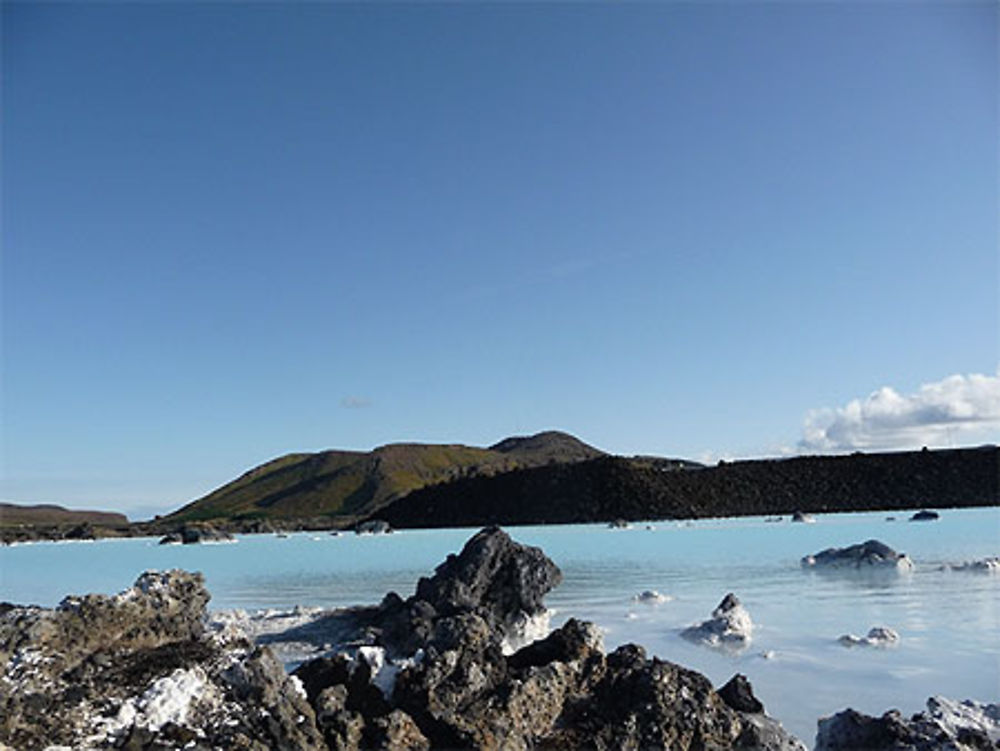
[{"x": 448, "y": 667}]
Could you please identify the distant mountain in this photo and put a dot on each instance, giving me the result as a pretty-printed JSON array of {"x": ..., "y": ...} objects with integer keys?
[
  {"x": 640, "y": 488},
  {"x": 12, "y": 515},
  {"x": 352, "y": 484}
]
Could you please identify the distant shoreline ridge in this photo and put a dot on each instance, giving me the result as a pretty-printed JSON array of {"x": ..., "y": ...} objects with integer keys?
[{"x": 549, "y": 478}]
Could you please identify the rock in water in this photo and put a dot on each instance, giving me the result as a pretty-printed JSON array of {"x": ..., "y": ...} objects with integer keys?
[
  {"x": 729, "y": 626},
  {"x": 494, "y": 577},
  {"x": 925, "y": 516},
  {"x": 984, "y": 565},
  {"x": 878, "y": 636},
  {"x": 373, "y": 527},
  {"x": 871, "y": 555},
  {"x": 946, "y": 726},
  {"x": 651, "y": 597}
]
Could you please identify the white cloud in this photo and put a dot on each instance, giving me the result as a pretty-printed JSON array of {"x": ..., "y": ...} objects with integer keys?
[{"x": 957, "y": 410}]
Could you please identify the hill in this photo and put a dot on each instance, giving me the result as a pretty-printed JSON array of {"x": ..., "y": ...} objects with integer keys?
[
  {"x": 15, "y": 515},
  {"x": 350, "y": 484},
  {"x": 612, "y": 487}
]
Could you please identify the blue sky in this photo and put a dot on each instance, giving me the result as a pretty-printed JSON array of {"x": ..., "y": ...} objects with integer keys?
[{"x": 231, "y": 231}]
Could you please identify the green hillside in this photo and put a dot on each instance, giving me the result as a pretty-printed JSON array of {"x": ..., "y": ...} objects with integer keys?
[{"x": 354, "y": 483}]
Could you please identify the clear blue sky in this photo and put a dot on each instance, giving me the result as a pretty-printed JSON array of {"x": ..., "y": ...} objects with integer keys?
[{"x": 231, "y": 231}]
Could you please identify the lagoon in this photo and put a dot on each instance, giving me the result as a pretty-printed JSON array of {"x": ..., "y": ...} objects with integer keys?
[{"x": 948, "y": 621}]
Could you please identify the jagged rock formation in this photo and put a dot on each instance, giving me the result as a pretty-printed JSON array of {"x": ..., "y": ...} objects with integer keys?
[
  {"x": 868, "y": 555},
  {"x": 946, "y": 725},
  {"x": 435, "y": 668},
  {"x": 139, "y": 670}
]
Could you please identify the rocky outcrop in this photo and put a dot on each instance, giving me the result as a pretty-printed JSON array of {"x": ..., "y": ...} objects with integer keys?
[
  {"x": 140, "y": 670},
  {"x": 434, "y": 670},
  {"x": 192, "y": 534},
  {"x": 946, "y": 726},
  {"x": 868, "y": 555},
  {"x": 730, "y": 626},
  {"x": 878, "y": 636}
]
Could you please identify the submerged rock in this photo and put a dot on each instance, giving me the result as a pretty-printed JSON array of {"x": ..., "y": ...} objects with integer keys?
[
  {"x": 870, "y": 554},
  {"x": 729, "y": 626},
  {"x": 947, "y": 725},
  {"x": 878, "y": 636},
  {"x": 984, "y": 565},
  {"x": 651, "y": 597}
]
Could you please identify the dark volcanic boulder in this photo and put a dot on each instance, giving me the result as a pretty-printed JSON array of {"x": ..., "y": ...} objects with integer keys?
[{"x": 492, "y": 576}]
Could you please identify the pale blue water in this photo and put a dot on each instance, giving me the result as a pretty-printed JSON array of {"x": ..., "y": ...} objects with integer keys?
[{"x": 949, "y": 622}]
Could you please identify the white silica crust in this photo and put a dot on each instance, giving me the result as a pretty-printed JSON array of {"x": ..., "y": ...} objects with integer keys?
[
  {"x": 525, "y": 630},
  {"x": 383, "y": 670},
  {"x": 167, "y": 700},
  {"x": 954, "y": 715},
  {"x": 730, "y": 626}
]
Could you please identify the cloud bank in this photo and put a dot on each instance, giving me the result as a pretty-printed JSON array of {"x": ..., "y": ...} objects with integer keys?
[{"x": 957, "y": 410}]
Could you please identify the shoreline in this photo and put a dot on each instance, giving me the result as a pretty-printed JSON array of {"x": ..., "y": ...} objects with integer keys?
[{"x": 31, "y": 534}]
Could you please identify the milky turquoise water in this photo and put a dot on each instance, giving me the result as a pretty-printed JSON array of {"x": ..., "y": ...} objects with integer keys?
[{"x": 949, "y": 621}]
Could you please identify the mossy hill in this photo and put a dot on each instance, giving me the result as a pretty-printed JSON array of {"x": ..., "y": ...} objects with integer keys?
[
  {"x": 345, "y": 485},
  {"x": 614, "y": 487}
]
